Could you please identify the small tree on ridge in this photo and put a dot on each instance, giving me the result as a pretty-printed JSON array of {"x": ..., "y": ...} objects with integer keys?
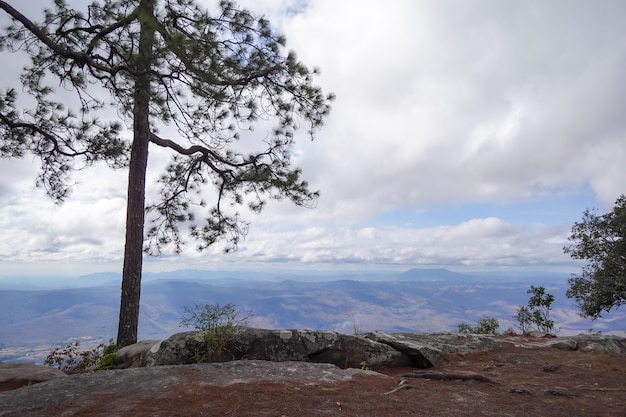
[{"x": 599, "y": 239}]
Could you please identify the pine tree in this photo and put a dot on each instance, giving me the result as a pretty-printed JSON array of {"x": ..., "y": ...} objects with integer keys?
[{"x": 210, "y": 74}]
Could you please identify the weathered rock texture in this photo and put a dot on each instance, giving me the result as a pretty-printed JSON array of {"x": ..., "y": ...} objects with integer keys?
[
  {"x": 271, "y": 345},
  {"x": 15, "y": 375},
  {"x": 153, "y": 381},
  {"x": 375, "y": 349},
  {"x": 521, "y": 376}
]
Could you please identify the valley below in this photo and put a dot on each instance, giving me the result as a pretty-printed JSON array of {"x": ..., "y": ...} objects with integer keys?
[{"x": 35, "y": 321}]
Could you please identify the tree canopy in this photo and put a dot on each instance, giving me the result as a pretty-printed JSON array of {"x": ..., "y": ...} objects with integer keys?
[
  {"x": 599, "y": 239},
  {"x": 144, "y": 66}
]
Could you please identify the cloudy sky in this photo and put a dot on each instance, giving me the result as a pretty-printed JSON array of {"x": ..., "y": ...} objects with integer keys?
[{"x": 465, "y": 134}]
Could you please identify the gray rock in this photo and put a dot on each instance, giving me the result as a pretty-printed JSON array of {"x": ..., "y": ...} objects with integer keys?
[
  {"x": 178, "y": 349},
  {"x": 602, "y": 344},
  {"x": 540, "y": 335},
  {"x": 15, "y": 375},
  {"x": 150, "y": 382},
  {"x": 562, "y": 343},
  {"x": 550, "y": 367},
  {"x": 519, "y": 359},
  {"x": 452, "y": 342},
  {"x": 133, "y": 356},
  {"x": 520, "y": 390},
  {"x": 376, "y": 349},
  {"x": 422, "y": 355},
  {"x": 560, "y": 392},
  {"x": 279, "y": 346}
]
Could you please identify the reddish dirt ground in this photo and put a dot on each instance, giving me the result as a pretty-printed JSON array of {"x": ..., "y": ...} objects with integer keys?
[{"x": 525, "y": 382}]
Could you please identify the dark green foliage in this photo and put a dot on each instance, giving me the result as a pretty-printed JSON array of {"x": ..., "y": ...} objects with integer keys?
[
  {"x": 537, "y": 313},
  {"x": 71, "y": 359},
  {"x": 599, "y": 239},
  {"x": 486, "y": 325},
  {"x": 218, "y": 325},
  {"x": 539, "y": 307}
]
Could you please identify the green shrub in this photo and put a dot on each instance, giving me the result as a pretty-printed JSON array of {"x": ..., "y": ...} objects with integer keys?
[
  {"x": 524, "y": 319},
  {"x": 71, "y": 359},
  {"x": 218, "y": 326},
  {"x": 540, "y": 304},
  {"x": 486, "y": 325},
  {"x": 537, "y": 313}
]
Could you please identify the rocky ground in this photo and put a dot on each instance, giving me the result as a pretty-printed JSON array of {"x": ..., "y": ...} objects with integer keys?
[{"x": 519, "y": 376}]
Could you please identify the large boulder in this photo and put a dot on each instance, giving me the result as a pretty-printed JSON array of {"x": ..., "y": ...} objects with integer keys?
[
  {"x": 602, "y": 344},
  {"x": 179, "y": 349},
  {"x": 15, "y": 375},
  {"x": 374, "y": 350},
  {"x": 279, "y": 346},
  {"x": 422, "y": 355},
  {"x": 134, "y": 356},
  {"x": 345, "y": 351}
]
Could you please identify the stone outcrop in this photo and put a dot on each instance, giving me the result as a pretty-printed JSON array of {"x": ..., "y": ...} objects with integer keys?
[
  {"x": 421, "y": 354},
  {"x": 342, "y": 350},
  {"x": 374, "y": 350},
  {"x": 601, "y": 344},
  {"x": 134, "y": 356},
  {"x": 451, "y": 342}
]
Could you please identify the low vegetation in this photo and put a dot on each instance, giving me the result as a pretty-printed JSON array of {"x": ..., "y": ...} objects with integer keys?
[
  {"x": 534, "y": 316},
  {"x": 486, "y": 325},
  {"x": 218, "y": 325},
  {"x": 537, "y": 314},
  {"x": 71, "y": 359}
]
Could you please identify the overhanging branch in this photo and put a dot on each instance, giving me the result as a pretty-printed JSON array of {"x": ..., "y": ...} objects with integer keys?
[{"x": 81, "y": 58}]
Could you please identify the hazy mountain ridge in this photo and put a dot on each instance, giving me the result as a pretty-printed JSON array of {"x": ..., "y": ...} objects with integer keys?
[{"x": 412, "y": 301}]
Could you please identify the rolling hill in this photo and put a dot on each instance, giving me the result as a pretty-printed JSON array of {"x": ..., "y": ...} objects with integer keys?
[{"x": 412, "y": 301}]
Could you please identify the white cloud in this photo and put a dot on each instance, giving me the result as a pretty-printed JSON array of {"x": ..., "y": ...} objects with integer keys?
[
  {"x": 439, "y": 104},
  {"x": 480, "y": 101}
]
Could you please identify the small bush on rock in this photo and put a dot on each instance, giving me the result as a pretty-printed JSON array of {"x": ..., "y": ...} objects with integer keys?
[
  {"x": 524, "y": 319},
  {"x": 71, "y": 359},
  {"x": 540, "y": 304},
  {"x": 486, "y": 325},
  {"x": 537, "y": 313},
  {"x": 218, "y": 326}
]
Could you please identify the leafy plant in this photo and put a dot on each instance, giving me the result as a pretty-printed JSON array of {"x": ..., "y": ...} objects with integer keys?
[
  {"x": 218, "y": 326},
  {"x": 486, "y": 325},
  {"x": 71, "y": 359},
  {"x": 537, "y": 313},
  {"x": 540, "y": 305},
  {"x": 600, "y": 240},
  {"x": 524, "y": 319}
]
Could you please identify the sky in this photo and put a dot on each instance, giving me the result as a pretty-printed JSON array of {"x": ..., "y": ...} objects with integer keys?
[{"x": 469, "y": 135}]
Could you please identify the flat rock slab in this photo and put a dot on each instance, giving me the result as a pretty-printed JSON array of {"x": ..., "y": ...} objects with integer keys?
[
  {"x": 13, "y": 375},
  {"x": 150, "y": 381}
]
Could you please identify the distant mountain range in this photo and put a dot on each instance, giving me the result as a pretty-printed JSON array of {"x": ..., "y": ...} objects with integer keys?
[{"x": 418, "y": 300}]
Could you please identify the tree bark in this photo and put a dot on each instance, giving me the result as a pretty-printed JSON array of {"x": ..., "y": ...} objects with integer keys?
[{"x": 135, "y": 205}]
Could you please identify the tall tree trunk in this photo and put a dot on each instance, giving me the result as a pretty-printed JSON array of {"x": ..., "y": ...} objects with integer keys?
[{"x": 135, "y": 205}]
